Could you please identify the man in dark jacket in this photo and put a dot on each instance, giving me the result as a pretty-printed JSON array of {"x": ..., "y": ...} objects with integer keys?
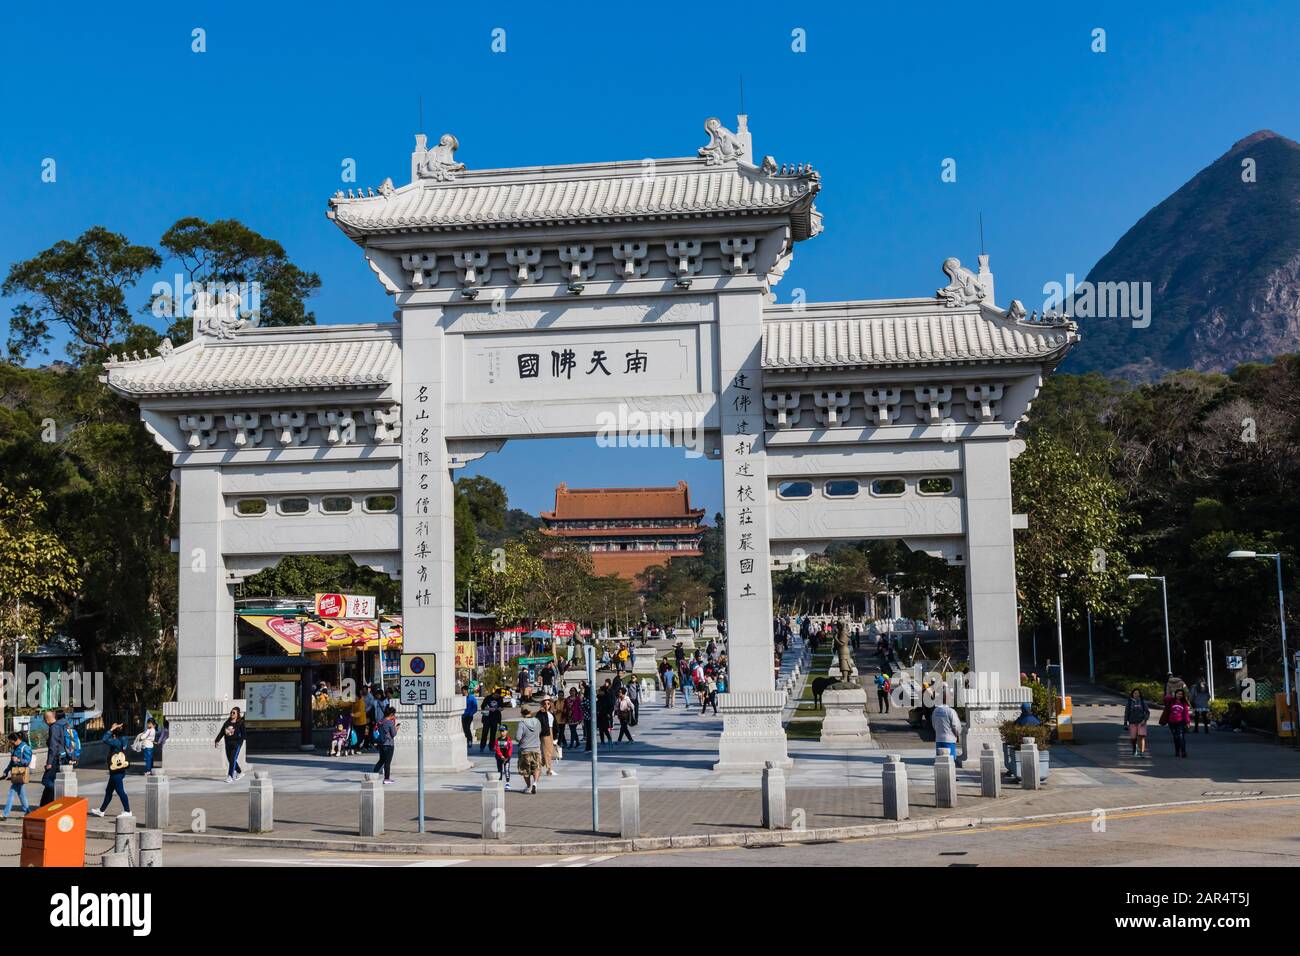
[{"x": 56, "y": 755}]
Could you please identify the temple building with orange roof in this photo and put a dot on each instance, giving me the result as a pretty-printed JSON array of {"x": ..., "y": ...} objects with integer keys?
[{"x": 627, "y": 530}]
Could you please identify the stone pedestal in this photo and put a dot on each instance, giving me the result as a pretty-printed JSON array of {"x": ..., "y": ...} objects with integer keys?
[
  {"x": 987, "y": 708},
  {"x": 192, "y": 727},
  {"x": 644, "y": 660},
  {"x": 685, "y": 636},
  {"x": 846, "y": 722},
  {"x": 709, "y": 632},
  {"x": 444, "y": 740},
  {"x": 752, "y": 734}
]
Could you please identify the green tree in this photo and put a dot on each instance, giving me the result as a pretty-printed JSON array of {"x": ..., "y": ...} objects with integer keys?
[
  {"x": 227, "y": 251},
  {"x": 36, "y": 569},
  {"x": 81, "y": 285}
]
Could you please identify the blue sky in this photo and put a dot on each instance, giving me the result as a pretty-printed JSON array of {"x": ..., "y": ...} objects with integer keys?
[{"x": 1061, "y": 149}]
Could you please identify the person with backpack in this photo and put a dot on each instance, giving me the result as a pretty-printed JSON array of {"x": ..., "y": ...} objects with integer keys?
[
  {"x": 117, "y": 743},
  {"x": 502, "y": 749},
  {"x": 575, "y": 715},
  {"x": 883, "y": 687},
  {"x": 1178, "y": 710},
  {"x": 232, "y": 735},
  {"x": 56, "y": 754},
  {"x": 490, "y": 720},
  {"x": 1136, "y": 714},
  {"x": 19, "y": 769}
]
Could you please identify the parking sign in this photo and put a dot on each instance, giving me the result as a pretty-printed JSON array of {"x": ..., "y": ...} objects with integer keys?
[{"x": 418, "y": 683}]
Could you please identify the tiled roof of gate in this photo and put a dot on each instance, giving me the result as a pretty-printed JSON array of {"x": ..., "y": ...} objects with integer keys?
[
  {"x": 614, "y": 503},
  {"x": 905, "y": 332},
  {"x": 270, "y": 359},
  {"x": 676, "y": 189}
]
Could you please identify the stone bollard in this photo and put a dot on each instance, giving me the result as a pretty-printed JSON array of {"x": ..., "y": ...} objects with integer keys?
[
  {"x": 629, "y": 806},
  {"x": 157, "y": 801},
  {"x": 261, "y": 803},
  {"x": 115, "y": 859},
  {"x": 65, "y": 783},
  {"x": 372, "y": 805},
  {"x": 151, "y": 848},
  {"x": 945, "y": 780},
  {"x": 895, "y": 786},
  {"x": 774, "y": 809},
  {"x": 990, "y": 780},
  {"x": 125, "y": 838},
  {"x": 1029, "y": 766},
  {"x": 494, "y": 807}
]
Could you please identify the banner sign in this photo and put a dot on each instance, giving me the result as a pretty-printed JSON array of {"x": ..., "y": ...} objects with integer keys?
[
  {"x": 352, "y": 606},
  {"x": 466, "y": 654}
]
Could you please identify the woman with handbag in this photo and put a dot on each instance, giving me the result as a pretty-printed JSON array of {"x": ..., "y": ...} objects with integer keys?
[
  {"x": 19, "y": 769},
  {"x": 117, "y": 767}
]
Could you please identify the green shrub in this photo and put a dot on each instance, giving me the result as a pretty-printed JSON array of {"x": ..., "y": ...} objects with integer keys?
[
  {"x": 1043, "y": 701},
  {"x": 1260, "y": 713},
  {"x": 1016, "y": 734},
  {"x": 1152, "y": 690}
]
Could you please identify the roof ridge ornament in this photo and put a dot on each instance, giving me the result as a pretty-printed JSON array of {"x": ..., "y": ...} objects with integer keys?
[
  {"x": 215, "y": 319},
  {"x": 439, "y": 163},
  {"x": 964, "y": 287},
  {"x": 724, "y": 146}
]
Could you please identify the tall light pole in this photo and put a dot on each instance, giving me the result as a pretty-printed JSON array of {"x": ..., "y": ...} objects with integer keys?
[
  {"x": 1060, "y": 642},
  {"x": 1164, "y": 596},
  {"x": 1281, "y": 613}
]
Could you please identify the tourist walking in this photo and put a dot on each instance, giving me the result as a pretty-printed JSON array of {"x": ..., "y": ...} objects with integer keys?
[
  {"x": 623, "y": 708},
  {"x": 605, "y": 715},
  {"x": 947, "y": 725},
  {"x": 669, "y": 678},
  {"x": 467, "y": 716},
  {"x": 17, "y": 772},
  {"x": 117, "y": 767},
  {"x": 883, "y": 687},
  {"x": 490, "y": 719},
  {"x": 1136, "y": 714},
  {"x": 528, "y": 735},
  {"x": 710, "y": 695},
  {"x": 634, "y": 694},
  {"x": 502, "y": 749},
  {"x": 574, "y": 712},
  {"x": 387, "y": 743},
  {"x": 361, "y": 718},
  {"x": 232, "y": 735},
  {"x": 1178, "y": 715},
  {"x": 546, "y": 724},
  {"x": 1200, "y": 707},
  {"x": 56, "y": 753}
]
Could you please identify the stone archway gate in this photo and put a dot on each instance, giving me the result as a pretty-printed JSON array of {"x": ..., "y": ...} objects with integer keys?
[{"x": 541, "y": 301}]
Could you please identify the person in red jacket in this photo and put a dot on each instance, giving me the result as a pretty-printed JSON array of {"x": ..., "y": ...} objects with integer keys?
[
  {"x": 503, "y": 748},
  {"x": 1179, "y": 709}
]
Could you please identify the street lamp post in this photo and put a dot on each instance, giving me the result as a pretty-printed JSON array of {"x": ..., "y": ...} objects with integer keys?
[
  {"x": 1281, "y": 613},
  {"x": 1164, "y": 597},
  {"x": 1060, "y": 643},
  {"x": 305, "y": 737}
]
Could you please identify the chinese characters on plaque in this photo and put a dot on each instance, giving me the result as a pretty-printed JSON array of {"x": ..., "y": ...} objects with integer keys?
[{"x": 564, "y": 363}]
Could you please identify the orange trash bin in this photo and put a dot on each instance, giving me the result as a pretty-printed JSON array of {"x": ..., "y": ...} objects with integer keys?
[{"x": 55, "y": 834}]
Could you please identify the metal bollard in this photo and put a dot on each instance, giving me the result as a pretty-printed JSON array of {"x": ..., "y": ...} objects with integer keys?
[
  {"x": 895, "y": 787},
  {"x": 990, "y": 780},
  {"x": 157, "y": 801},
  {"x": 629, "y": 806},
  {"x": 125, "y": 838},
  {"x": 1029, "y": 766},
  {"x": 945, "y": 780},
  {"x": 115, "y": 859},
  {"x": 65, "y": 783},
  {"x": 372, "y": 805},
  {"x": 261, "y": 803},
  {"x": 774, "y": 807},
  {"x": 151, "y": 848},
  {"x": 494, "y": 807}
]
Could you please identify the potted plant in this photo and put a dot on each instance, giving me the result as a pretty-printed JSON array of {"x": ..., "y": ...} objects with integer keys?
[{"x": 1014, "y": 735}]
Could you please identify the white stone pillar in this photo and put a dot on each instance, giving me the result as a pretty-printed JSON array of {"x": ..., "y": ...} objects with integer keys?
[
  {"x": 428, "y": 544},
  {"x": 990, "y": 593},
  {"x": 205, "y": 633},
  {"x": 752, "y": 735}
]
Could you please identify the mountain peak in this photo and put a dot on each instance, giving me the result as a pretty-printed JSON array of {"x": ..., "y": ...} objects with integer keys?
[
  {"x": 1217, "y": 265},
  {"x": 1258, "y": 137}
]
